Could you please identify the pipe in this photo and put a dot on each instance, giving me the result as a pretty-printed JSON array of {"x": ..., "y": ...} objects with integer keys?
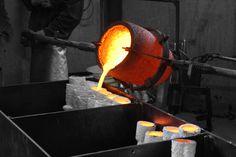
[
  {"x": 85, "y": 46},
  {"x": 203, "y": 67},
  {"x": 225, "y": 58}
]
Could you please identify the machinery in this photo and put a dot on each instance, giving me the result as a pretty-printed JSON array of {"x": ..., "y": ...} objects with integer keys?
[
  {"x": 33, "y": 124},
  {"x": 149, "y": 60}
]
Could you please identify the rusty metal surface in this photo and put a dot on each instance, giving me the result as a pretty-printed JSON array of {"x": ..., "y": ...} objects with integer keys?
[{"x": 142, "y": 42}]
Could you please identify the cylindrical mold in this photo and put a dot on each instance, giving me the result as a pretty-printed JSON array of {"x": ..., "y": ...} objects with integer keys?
[
  {"x": 183, "y": 148},
  {"x": 153, "y": 136},
  {"x": 188, "y": 129},
  {"x": 142, "y": 128},
  {"x": 170, "y": 132}
]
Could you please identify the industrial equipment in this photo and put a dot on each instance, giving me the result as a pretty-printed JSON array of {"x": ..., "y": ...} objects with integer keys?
[
  {"x": 33, "y": 124},
  {"x": 149, "y": 60}
]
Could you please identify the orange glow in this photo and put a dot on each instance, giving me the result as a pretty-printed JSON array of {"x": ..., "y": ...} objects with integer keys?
[
  {"x": 190, "y": 128},
  {"x": 146, "y": 123},
  {"x": 112, "y": 47},
  {"x": 98, "y": 90},
  {"x": 155, "y": 133},
  {"x": 116, "y": 98},
  {"x": 104, "y": 92},
  {"x": 121, "y": 100},
  {"x": 172, "y": 129},
  {"x": 111, "y": 96},
  {"x": 106, "y": 69},
  {"x": 164, "y": 121},
  {"x": 183, "y": 141},
  {"x": 127, "y": 43}
]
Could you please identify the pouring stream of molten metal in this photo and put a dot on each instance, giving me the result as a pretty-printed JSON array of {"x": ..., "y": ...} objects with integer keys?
[{"x": 117, "y": 39}]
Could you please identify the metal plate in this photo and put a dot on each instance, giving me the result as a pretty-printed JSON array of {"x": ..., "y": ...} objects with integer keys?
[
  {"x": 83, "y": 131},
  {"x": 14, "y": 142}
]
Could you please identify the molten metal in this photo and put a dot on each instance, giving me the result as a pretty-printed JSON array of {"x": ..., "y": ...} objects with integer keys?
[
  {"x": 112, "y": 49},
  {"x": 121, "y": 54}
]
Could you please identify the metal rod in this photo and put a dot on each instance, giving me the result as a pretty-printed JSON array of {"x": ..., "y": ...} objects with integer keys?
[
  {"x": 177, "y": 27},
  {"x": 86, "y": 46},
  {"x": 206, "y": 68},
  {"x": 203, "y": 67},
  {"x": 226, "y": 58},
  {"x": 224, "y": 72}
]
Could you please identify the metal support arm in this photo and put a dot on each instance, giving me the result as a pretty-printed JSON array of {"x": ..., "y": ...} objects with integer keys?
[{"x": 203, "y": 67}]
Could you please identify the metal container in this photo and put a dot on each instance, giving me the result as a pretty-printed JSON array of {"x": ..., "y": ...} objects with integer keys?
[
  {"x": 133, "y": 69},
  {"x": 107, "y": 131},
  {"x": 36, "y": 98},
  {"x": 93, "y": 130}
]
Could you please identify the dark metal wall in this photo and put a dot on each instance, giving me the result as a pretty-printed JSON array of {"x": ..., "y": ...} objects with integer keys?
[{"x": 111, "y": 11}]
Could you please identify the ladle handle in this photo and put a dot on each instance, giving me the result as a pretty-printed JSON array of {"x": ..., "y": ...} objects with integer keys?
[{"x": 85, "y": 46}]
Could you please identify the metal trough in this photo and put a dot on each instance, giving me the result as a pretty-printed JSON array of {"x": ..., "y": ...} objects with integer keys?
[
  {"x": 38, "y": 127},
  {"x": 35, "y": 98},
  {"x": 93, "y": 130}
]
